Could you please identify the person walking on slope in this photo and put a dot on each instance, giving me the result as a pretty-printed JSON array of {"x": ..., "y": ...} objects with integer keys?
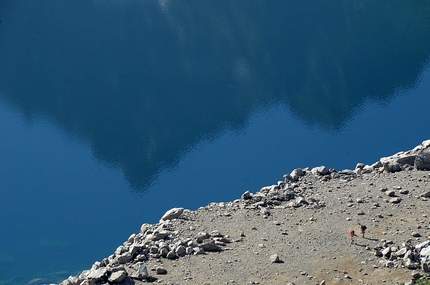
[
  {"x": 351, "y": 235},
  {"x": 363, "y": 229}
]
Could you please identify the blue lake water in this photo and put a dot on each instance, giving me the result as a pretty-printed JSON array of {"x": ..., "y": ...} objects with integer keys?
[{"x": 112, "y": 112}]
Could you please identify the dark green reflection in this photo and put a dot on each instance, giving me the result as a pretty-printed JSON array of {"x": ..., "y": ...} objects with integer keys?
[{"x": 143, "y": 83}]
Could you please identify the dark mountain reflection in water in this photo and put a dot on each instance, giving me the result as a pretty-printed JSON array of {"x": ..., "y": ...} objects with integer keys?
[{"x": 191, "y": 102}]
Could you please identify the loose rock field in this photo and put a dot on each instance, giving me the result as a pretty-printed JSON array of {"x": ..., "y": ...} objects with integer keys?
[{"x": 293, "y": 232}]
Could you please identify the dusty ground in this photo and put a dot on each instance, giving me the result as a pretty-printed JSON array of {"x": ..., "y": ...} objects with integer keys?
[{"x": 312, "y": 244}]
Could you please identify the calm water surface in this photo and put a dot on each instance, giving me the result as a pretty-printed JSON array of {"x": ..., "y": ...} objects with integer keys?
[{"x": 112, "y": 112}]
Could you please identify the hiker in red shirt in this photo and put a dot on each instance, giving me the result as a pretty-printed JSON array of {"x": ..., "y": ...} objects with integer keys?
[{"x": 351, "y": 235}]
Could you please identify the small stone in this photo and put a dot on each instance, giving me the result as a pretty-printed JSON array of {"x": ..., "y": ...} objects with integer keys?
[
  {"x": 274, "y": 258},
  {"x": 390, "y": 193},
  {"x": 160, "y": 270},
  {"x": 425, "y": 266},
  {"x": 395, "y": 200},
  {"x": 202, "y": 236},
  {"x": 211, "y": 246},
  {"x": 416, "y": 275}
]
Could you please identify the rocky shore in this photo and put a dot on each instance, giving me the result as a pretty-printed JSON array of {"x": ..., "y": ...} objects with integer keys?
[{"x": 293, "y": 232}]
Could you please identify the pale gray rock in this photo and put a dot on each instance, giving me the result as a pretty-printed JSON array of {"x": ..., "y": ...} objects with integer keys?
[
  {"x": 360, "y": 165},
  {"x": 180, "y": 250},
  {"x": 201, "y": 236},
  {"x": 117, "y": 276},
  {"x": 172, "y": 214},
  {"x": 159, "y": 235},
  {"x": 411, "y": 264},
  {"x": 347, "y": 172},
  {"x": 131, "y": 238},
  {"x": 160, "y": 270},
  {"x": 422, "y": 245},
  {"x": 163, "y": 252},
  {"x": 408, "y": 255},
  {"x": 153, "y": 249},
  {"x": 296, "y": 173},
  {"x": 138, "y": 271},
  {"x": 144, "y": 228},
  {"x": 401, "y": 252},
  {"x": 274, "y": 258},
  {"x": 406, "y": 159},
  {"x": 84, "y": 274},
  {"x": 216, "y": 233},
  {"x": 367, "y": 169},
  {"x": 222, "y": 239},
  {"x": 210, "y": 246},
  {"x": 247, "y": 195},
  {"x": 67, "y": 282},
  {"x": 141, "y": 257},
  {"x": 320, "y": 170},
  {"x": 425, "y": 253},
  {"x": 414, "y": 275},
  {"x": 425, "y": 194},
  {"x": 96, "y": 275},
  {"x": 189, "y": 250},
  {"x": 392, "y": 167},
  {"x": 426, "y": 144},
  {"x": 120, "y": 249},
  {"x": 300, "y": 200},
  {"x": 390, "y": 193},
  {"x": 395, "y": 200},
  {"x": 422, "y": 161},
  {"x": 376, "y": 165},
  {"x": 134, "y": 248},
  {"x": 386, "y": 252},
  {"x": 124, "y": 258},
  {"x": 287, "y": 177},
  {"x": 198, "y": 250},
  {"x": 171, "y": 255}
]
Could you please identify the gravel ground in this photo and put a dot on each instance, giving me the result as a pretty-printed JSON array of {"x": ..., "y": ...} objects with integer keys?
[{"x": 312, "y": 243}]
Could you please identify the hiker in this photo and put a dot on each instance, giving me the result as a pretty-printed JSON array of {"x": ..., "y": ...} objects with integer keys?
[
  {"x": 351, "y": 235},
  {"x": 363, "y": 229}
]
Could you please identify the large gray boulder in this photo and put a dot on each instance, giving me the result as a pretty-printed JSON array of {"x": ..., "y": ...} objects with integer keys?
[
  {"x": 422, "y": 161},
  {"x": 138, "y": 271},
  {"x": 172, "y": 214},
  {"x": 117, "y": 276},
  {"x": 320, "y": 170}
]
